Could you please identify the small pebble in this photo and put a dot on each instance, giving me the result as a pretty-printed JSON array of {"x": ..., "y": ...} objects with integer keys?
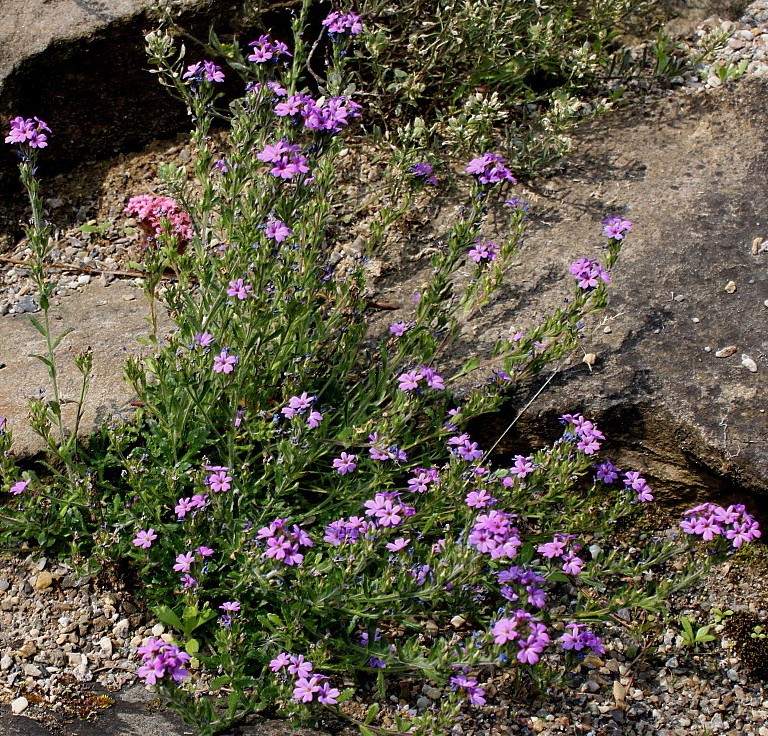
[
  {"x": 726, "y": 352},
  {"x": 695, "y": 320},
  {"x": 730, "y": 287},
  {"x": 748, "y": 363},
  {"x": 19, "y": 705}
]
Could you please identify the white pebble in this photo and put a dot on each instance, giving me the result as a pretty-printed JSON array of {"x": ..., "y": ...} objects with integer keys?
[
  {"x": 158, "y": 629},
  {"x": 83, "y": 278},
  {"x": 19, "y": 705},
  {"x": 748, "y": 363}
]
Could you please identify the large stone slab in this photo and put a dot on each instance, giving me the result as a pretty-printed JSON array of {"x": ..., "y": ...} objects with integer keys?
[
  {"x": 690, "y": 174},
  {"x": 110, "y": 320},
  {"x": 80, "y": 65}
]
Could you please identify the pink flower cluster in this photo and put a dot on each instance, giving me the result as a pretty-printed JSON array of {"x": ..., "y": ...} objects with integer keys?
[
  {"x": 307, "y": 685},
  {"x": 265, "y": 49},
  {"x": 608, "y": 473},
  {"x": 409, "y": 381},
  {"x": 342, "y": 531},
  {"x": 559, "y": 547},
  {"x": 161, "y": 659},
  {"x": 204, "y": 70},
  {"x": 379, "y": 450},
  {"x": 527, "y": 580},
  {"x": 475, "y": 693},
  {"x": 709, "y": 521},
  {"x": 489, "y": 169},
  {"x": 615, "y": 227},
  {"x": 284, "y": 544},
  {"x": 387, "y": 510},
  {"x": 493, "y": 533},
  {"x": 337, "y": 22},
  {"x": 589, "y": 273},
  {"x": 423, "y": 479},
  {"x": 531, "y": 646},
  {"x": 464, "y": 447},
  {"x": 28, "y": 131},
  {"x": 483, "y": 252},
  {"x": 587, "y": 433},
  {"x": 152, "y": 211},
  {"x": 287, "y": 159},
  {"x": 329, "y": 114},
  {"x": 298, "y": 405},
  {"x": 579, "y": 637}
]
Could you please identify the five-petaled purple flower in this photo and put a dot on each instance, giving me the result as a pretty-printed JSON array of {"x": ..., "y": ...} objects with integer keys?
[
  {"x": 28, "y": 131},
  {"x": 144, "y": 538},
  {"x": 204, "y": 70},
  {"x": 224, "y": 362},
  {"x": 615, "y": 227}
]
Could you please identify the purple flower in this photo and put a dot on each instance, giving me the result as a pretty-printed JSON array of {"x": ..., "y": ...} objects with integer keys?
[
  {"x": 28, "y": 131},
  {"x": 299, "y": 666},
  {"x": 327, "y": 695},
  {"x": 337, "y": 22},
  {"x": 588, "y": 273},
  {"x": 265, "y": 49},
  {"x": 297, "y": 405},
  {"x": 345, "y": 463},
  {"x": 282, "y": 660},
  {"x": 206, "y": 70},
  {"x": 377, "y": 663},
  {"x": 305, "y": 689},
  {"x": 615, "y": 227},
  {"x": 607, "y": 472},
  {"x": 489, "y": 169},
  {"x": 19, "y": 487},
  {"x": 230, "y": 607},
  {"x": 184, "y": 562},
  {"x": 523, "y": 466},
  {"x": 398, "y": 544},
  {"x": 410, "y": 380},
  {"x": 479, "y": 499},
  {"x": 277, "y": 231},
  {"x": 504, "y": 630},
  {"x": 144, "y": 539},
  {"x": 572, "y": 564},
  {"x": 475, "y": 693},
  {"x": 314, "y": 419},
  {"x": 203, "y": 339},
  {"x": 183, "y": 507},
  {"x": 239, "y": 289},
  {"x": 425, "y": 171},
  {"x": 398, "y": 328},
  {"x": 188, "y": 580},
  {"x": 204, "y": 551},
  {"x": 420, "y": 482},
  {"x": 483, "y": 252},
  {"x": 219, "y": 482},
  {"x": 224, "y": 362},
  {"x": 161, "y": 659}
]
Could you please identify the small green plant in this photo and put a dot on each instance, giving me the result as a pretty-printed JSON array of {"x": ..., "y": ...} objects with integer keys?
[
  {"x": 729, "y": 70},
  {"x": 691, "y": 637}
]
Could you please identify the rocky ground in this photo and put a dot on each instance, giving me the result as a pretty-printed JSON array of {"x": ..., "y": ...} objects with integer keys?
[{"x": 67, "y": 639}]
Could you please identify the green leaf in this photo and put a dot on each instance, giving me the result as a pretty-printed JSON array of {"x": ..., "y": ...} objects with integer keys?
[
  {"x": 366, "y": 731},
  {"x": 345, "y": 695},
  {"x": 36, "y": 324},
  {"x": 167, "y": 616},
  {"x": 192, "y": 646},
  {"x": 58, "y": 340},
  {"x": 373, "y": 711}
]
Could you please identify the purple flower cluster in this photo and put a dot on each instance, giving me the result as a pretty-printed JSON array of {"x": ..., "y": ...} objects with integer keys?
[
  {"x": 342, "y": 531},
  {"x": 522, "y": 467},
  {"x": 204, "y": 70},
  {"x": 709, "y": 520},
  {"x": 589, "y": 273},
  {"x": 559, "y": 547},
  {"x": 265, "y": 49},
  {"x": 299, "y": 405},
  {"x": 287, "y": 159},
  {"x": 494, "y": 534},
  {"x": 475, "y": 693},
  {"x": 587, "y": 433},
  {"x": 380, "y": 450},
  {"x": 190, "y": 503},
  {"x": 386, "y": 509},
  {"x": 425, "y": 171},
  {"x": 337, "y": 22},
  {"x": 483, "y": 252},
  {"x": 464, "y": 447},
  {"x": 531, "y": 646},
  {"x": 28, "y": 131},
  {"x": 489, "y": 169},
  {"x": 307, "y": 686},
  {"x": 409, "y": 381},
  {"x": 423, "y": 479},
  {"x": 284, "y": 544},
  {"x": 579, "y": 637},
  {"x": 161, "y": 659},
  {"x": 527, "y": 580},
  {"x": 608, "y": 473},
  {"x": 615, "y": 227},
  {"x": 331, "y": 114}
]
